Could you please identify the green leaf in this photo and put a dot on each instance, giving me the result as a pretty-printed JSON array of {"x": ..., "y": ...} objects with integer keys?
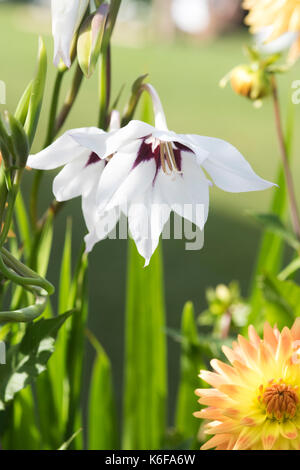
[
  {"x": 23, "y": 432},
  {"x": 282, "y": 300},
  {"x": 44, "y": 248},
  {"x": 271, "y": 251},
  {"x": 273, "y": 223},
  {"x": 37, "y": 93},
  {"x": 75, "y": 348},
  {"x": 290, "y": 269},
  {"x": 102, "y": 428},
  {"x": 23, "y": 223},
  {"x": 145, "y": 356},
  {"x": 28, "y": 359},
  {"x": 23, "y": 105},
  {"x": 67, "y": 444},
  {"x": 190, "y": 364},
  {"x": 53, "y": 386}
]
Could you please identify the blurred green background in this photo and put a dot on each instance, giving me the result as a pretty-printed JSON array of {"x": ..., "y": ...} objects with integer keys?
[{"x": 186, "y": 75}]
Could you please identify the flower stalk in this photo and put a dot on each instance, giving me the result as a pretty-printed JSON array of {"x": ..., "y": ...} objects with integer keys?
[{"x": 288, "y": 175}]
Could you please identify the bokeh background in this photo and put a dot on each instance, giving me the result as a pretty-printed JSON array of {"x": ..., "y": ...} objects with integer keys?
[{"x": 186, "y": 46}]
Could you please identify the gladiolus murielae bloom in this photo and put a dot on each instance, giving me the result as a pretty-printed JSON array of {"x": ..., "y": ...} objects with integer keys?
[
  {"x": 145, "y": 172},
  {"x": 66, "y": 18},
  {"x": 279, "y": 17},
  {"x": 255, "y": 402}
]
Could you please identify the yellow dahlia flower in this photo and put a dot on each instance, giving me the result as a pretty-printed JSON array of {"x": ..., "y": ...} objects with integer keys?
[
  {"x": 282, "y": 16},
  {"x": 255, "y": 402}
]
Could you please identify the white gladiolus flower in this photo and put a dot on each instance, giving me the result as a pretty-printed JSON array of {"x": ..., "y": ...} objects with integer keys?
[
  {"x": 79, "y": 177},
  {"x": 66, "y": 18},
  {"x": 145, "y": 172},
  {"x": 162, "y": 171}
]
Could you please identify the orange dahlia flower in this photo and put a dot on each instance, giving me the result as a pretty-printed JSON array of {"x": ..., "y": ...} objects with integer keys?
[
  {"x": 282, "y": 16},
  {"x": 255, "y": 402}
]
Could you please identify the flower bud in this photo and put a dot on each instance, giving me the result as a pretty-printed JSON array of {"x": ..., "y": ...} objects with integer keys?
[
  {"x": 223, "y": 293},
  {"x": 13, "y": 142},
  {"x": 250, "y": 82},
  {"x": 90, "y": 39}
]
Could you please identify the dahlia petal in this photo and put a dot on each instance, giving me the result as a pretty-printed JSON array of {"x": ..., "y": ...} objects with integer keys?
[
  {"x": 249, "y": 352},
  {"x": 235, "y": 392},
  {"x": 216, "y": 441},
  {"x": 224, "y": 370},
  {"x": 220, "y": 402},
  {"x": 220, "y": 428},
  {"x": 295, "y": 330},
  {"x": 245, "y": 440},
  {"x": 211, "y": 378},
  {"x": 288, "y": 430},
  {"x": 270, "y": 434},
  {"x": 208, "y": 413},
  {"x": 253, "y": 336},
  {"x": 230, "y": 354},
  {"x": 285, "y": 345},
  {"x": 269, "y": 337}
]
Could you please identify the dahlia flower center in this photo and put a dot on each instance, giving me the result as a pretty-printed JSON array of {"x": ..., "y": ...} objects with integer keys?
[{"x": 281, "y": 400}]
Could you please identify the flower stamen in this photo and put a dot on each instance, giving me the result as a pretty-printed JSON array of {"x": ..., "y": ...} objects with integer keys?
[
  {"x": 281, "y": 400},
  {"x": 167, "y": 158}
]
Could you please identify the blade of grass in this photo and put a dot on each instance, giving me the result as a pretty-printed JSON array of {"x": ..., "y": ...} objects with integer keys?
[
  {"x": 102, "y": 427},
  {"x": 190, "y": 364},
  {"x": 145, "y": 356}
]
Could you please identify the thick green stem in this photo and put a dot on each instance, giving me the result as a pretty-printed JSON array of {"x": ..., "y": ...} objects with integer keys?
[
  {"x": 25, "y": 276},
  {"x": 26, "y": 314},
  {"x": 104, "y": 88},
  {"x": 69, "y": 101},
  {"x": 53, "y": 110},
  {"x": 11, "y": 199}
]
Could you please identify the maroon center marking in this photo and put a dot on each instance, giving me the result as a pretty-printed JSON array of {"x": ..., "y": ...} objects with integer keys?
[
  {"x": 93, "y": 158},
  {"x": 145, "y": 154}
]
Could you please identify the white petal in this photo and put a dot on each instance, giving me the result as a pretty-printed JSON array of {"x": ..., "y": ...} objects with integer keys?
[
  {"x": 66, "y": 17},
  {"x": 116, "y": 140},
  {"x": 188, "y": 193},
  {"x": 99, "y": 226},
  {"x": 115, "y": 173},
  {"x": 77, "y": 178},
  {"x": 228, "y": 168},
  {"x": 280, "y": 44},
  {"x": 64, "y": 150},
  {"x": 147, "y": 216},
  {"x": 137, "y": 182}
]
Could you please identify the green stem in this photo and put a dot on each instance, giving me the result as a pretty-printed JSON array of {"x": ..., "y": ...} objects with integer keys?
[
  {"x": 3, "y": 195},
  {"x": 26, "y": 314},
  {"x": 27, "y": 276},
  {"x": 290, "y": 269},
  {"x": 288, "y": 175},
  {"x": 49, "y": 138},
  {"x": 69, "y": 101},
  {"x": 104, "y": 87},
  {"x": 53, "y": 110},
  {"x": 12, "y": 195}
]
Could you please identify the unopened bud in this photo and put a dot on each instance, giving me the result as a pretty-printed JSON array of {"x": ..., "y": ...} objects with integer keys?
[
  {"x": 251, "y": 83},
  {"x": 90, "y": 39},
  {"x": 13, "y": 142}
]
